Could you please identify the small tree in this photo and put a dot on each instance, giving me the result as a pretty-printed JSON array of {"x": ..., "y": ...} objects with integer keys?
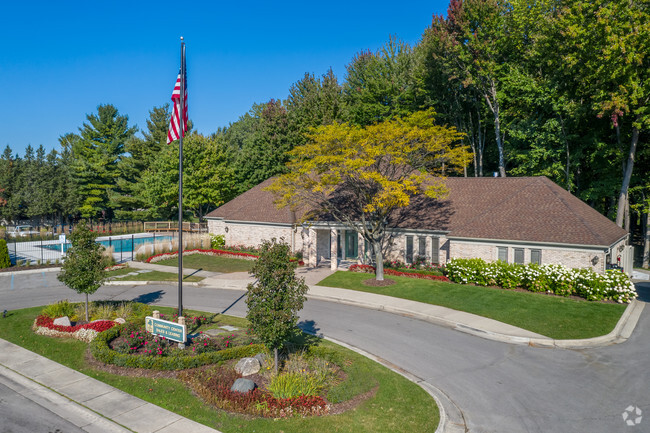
[
  {"x": 276, "y": 297},
  {"x": 5, "y": 262},
  {"x": 83, "y": 268}
]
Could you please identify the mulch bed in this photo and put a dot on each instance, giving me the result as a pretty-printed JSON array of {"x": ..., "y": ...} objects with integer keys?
[{"x": 261, "y": 381}]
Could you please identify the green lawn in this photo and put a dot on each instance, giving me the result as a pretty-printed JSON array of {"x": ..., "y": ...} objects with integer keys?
[
  {"x": 398, "y": 406},
  {"x": 555, "y": 317},
  {"x": 149, "y": 276},
  {"x": 211, "y": 263}
]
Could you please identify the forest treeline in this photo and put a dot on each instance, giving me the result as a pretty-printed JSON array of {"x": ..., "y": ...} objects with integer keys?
[{"x": 556, "y": 88}]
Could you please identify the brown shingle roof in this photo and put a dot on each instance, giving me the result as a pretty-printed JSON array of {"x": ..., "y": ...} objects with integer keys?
[
  {"x": 532, "y": 209},
  {"x": 254, "y": 205}
]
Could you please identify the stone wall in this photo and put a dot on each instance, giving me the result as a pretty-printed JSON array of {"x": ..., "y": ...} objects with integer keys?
[
  {"x": 315, "y": 245},
  {"x": 566, "y": 256},
  {"x": 252, "y": 234}
]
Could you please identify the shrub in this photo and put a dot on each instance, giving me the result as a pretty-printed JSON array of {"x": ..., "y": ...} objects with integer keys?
[
  {"x": 293, "y": 384},
  {"x": 217, "y": 241},
  {"x": 177, "y": 360},
  {"x": 5, "y": 261},
  {"x": 60, "y": 309},
  {"x": 556, "y": 279},
  {"x": 213, "y": 385}
]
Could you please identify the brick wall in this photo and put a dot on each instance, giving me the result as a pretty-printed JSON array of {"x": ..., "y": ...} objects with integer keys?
[
  {"x": 569, "y": 257},
  {"x": 316, "y": 242},
  {"x": 252, "y": 235}
]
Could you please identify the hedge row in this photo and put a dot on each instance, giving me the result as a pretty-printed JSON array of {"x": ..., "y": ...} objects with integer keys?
[
  {"x": 556, "y": 279},
  {"x": 101, "y": 350}
]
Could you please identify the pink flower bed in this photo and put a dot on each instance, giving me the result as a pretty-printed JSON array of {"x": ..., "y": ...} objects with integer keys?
[{"x": 371, "y": 270}]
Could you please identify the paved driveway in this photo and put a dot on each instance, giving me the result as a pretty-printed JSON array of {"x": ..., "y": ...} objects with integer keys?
[{"x": 499, "y": 387}]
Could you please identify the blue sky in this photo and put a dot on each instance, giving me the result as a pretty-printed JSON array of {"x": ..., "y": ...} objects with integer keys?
[{"x": 60, "y": 60}]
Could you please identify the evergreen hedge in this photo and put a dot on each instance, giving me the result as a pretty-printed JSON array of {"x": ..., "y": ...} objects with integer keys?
[
  {"x": 5, "y": 261},
  {"x": 101, "y": 350}
]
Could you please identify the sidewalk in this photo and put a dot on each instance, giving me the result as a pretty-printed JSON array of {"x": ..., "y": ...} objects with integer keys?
[
  {"x": 458, "y": 320},
  {"x": 88, "y": 403}
]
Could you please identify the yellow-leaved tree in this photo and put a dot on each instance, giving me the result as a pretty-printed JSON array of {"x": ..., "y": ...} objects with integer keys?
[{"x": 360, "y": 176}]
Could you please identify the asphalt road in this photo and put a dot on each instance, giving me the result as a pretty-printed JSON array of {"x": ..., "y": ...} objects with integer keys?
[{"x": 499, "y": 387}]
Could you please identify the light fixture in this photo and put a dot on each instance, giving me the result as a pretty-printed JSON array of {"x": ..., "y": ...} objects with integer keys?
[{"x": 594, "y": 261}]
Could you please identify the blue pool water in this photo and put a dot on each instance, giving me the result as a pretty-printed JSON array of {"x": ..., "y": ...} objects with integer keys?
[{"x": 119, "y": 244}]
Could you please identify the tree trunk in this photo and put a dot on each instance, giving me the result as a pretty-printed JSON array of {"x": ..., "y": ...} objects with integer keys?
[
  {"x": 629, "y": 167},
  {"x": 493, "y": 103},
  {"x": 275, "y": 356},
  {"x": 379, "y": 261},
  {"x": 646, "y": 244},
  {"x": 87, "y": 319}
]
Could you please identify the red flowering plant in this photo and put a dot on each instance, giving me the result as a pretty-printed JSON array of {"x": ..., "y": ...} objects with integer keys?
[
  {"x": 223, "y": 253},
  {"x": 44, "y": 325},
  {"x": 214, "y": 384},
  {"x": 423, "y": 276}
]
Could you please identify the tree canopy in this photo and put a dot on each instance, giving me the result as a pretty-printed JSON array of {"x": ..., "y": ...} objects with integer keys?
[{"x": 361, "y": 175}]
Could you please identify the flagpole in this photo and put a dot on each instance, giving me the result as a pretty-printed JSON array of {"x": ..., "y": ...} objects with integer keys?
[{"x": 180, "y": 182}]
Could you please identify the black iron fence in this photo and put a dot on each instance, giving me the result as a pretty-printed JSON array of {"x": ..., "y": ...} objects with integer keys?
[{"x": 49, "y": 250}]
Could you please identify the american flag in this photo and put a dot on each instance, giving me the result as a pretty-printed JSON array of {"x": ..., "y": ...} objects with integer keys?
[{"x": 174, "y": 122}]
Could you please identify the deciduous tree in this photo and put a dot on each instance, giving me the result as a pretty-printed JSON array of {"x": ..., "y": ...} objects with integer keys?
[
  {"x": 276, "y": 297},
  {"x": 83, "y": 267},
  {"x": 361, "y": 176}
]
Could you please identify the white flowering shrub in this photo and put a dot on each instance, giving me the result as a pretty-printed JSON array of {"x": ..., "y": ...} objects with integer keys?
[{"x": 612, "y": 285}]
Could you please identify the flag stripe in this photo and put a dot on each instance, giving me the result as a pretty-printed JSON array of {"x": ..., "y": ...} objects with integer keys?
[{"x": 174, "y": 122}]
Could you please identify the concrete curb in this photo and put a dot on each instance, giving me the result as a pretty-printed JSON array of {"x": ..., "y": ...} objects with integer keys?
[
  {"x": 147, "y": 283},
  {"x": 31, "y": 271},
  {"x": 451, "y": 417},
  {"x": 621, "y": 332}
]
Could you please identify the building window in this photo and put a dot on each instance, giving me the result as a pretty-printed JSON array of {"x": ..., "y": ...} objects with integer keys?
[
  {"x": 435, "y": 250},
  {"x": 422, "y": 247},
  {"x": 519, "y": 256},
  {"x": 409, "y": 249},
  {"x": 536, "y": 256},
  {"x": 503, "y": 254}
]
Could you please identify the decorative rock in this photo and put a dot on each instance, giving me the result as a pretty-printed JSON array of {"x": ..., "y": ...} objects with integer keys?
[
  {"x": 247, "y": 366},
  {"x": 229, "y": 328},
  {"x": 62, "y": 321},
  {"x": 120, "y": 320},
  {"x": 243, "y": 385},
  {"x": 261, "y": 357}
]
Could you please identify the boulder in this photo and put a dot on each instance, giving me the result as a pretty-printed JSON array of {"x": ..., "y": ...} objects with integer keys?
[
  {"x": 243, "y": 385},
  {"x": 120, "y": 321},
  {"x": 248, "y": 366},
  {"x": 62, "y": 321},
  {"x": 261, "y": 357}
]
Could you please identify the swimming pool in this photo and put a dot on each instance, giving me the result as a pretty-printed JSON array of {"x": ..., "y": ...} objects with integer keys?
[{"x": 119, "y": 244}]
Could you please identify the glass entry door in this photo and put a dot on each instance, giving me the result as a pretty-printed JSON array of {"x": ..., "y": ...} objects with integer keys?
[{"x": 351, "y": 244}]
